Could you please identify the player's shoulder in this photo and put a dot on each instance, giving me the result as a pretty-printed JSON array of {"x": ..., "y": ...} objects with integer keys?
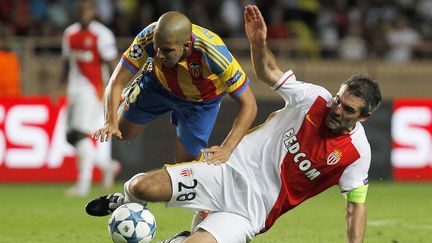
[
  {"x": 147, "y": 31},
  {"x": 206, "y": 35},
  {"x": 359, "y": 139},
  {"x": 75, "y": 27},
  {"x": 97, "y": 26}
]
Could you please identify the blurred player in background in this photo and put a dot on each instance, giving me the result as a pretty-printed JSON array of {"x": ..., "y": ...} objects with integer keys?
[
  {"x": 185, "y": 70},
  {"x": 89, "y": 50},
  {"x": 10, "y": 81},
  {"x": 315, "y": 142}
]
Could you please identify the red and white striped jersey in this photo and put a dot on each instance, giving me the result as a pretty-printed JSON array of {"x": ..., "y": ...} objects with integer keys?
[
  {"x": 295, "y": 156},
  {"x": 87, "y": 49}
]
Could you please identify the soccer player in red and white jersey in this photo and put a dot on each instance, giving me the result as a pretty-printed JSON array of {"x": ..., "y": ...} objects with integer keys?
[
  {"x": 89, "y": 50},
  {"x": 316, "y": 141}
]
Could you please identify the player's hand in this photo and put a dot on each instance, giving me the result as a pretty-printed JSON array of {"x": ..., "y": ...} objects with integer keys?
[
  {"x": 255, "y": 27},
  {"x": 216, "y": 155},
  {"x": 104, "y": 134}
]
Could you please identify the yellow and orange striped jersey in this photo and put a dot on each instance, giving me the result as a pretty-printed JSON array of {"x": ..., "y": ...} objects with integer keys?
[{"x": 207, "y": 73}]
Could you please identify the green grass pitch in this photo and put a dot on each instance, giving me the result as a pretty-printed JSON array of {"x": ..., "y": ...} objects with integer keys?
[{"x": 397, "y": 213}]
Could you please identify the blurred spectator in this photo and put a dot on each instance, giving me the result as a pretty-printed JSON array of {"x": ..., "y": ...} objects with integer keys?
[
  {"x": 21, "y": 17},
  {"x": 232, "y": 15},
  {"x": 327, "y": 32},
  {"x": 277, "y": 28},
  {"x": 57, "y": 15},
  {"x": 326, "y": 21},
  {"x": 424, "y": 11},
  {"x": 106, "y": 11},
  {"x": 10, "y": 83},
  {"x": 353, "y": 46},
  {"x": 401, "y": 40}
]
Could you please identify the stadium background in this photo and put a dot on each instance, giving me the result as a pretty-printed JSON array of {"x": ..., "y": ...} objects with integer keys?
[{"x": 324, "y": 42}]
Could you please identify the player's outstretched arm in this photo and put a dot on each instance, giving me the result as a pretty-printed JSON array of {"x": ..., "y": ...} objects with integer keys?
[
  {"x": 118, "y": 80},
  {"x": 243, "y": 121},
  {"x": 263, "y": 60},
  {"x": 355, "y": 221}
]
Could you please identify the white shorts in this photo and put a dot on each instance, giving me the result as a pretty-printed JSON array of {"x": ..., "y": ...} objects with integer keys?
[
  {"x": 219, "y": 189},
  {"x": 85, "y": 112}
]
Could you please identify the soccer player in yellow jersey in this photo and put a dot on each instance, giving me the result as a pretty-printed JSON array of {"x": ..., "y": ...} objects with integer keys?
[{"x": 185, "y": 70}]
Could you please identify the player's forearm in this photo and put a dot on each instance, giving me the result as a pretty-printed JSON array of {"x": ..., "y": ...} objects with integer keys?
[
  {"x": 355, "y": 221},
  {"x": 264, "y": 63},
  {"x": 112, "y": 102},
  {"x": 242, "y": 123},
  {"x": 118, "y": 80}
]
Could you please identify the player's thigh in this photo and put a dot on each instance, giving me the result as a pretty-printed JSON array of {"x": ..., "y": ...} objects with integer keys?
[
  {"x": 194, "y": 124},
  {"x": 228, "y": 227},
  {"x": 84, "y": 112},
  {"x": 138, "y": 109},
  {"x": 196, "y": 185},
  {"x": 128, "y": 128}
]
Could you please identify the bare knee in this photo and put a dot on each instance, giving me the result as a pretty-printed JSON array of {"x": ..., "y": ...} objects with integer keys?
[
  {"x": 154, "y": 186},
  {"x": 200, "y": 236}
]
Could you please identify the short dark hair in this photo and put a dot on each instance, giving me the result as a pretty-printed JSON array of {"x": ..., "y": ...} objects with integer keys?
[{"x": 366, "y": 88}]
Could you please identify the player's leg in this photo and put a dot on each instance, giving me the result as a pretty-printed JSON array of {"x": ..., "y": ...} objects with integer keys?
[
  {"x": 128, "y": 128},
  {"x": 85, "y": 156},
  {"x": 153, "y": 186},
  {"x": 83, "y": 109},
  {"x": 190, "y": 185},
  {"x": 181, "y": 153},
  {"x": 109, "y": 166},
  {"x": 215, "y": 228},
  {"x": 140, "y": 106},
  {"x": 200, "y": 236},
  {"x": 194, "y": 124}
]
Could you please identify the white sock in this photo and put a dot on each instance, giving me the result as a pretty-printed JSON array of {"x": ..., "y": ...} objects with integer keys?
[
  {"x": 129, "y": 197},
  {"x": 85, "y": 155}
]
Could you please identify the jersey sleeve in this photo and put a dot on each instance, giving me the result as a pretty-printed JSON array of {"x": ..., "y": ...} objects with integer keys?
[
  {"x": 296, "y": 92},
  {"x": 140, "y": 49},
  {"x": 235, "y": 79},
  {"x": 221, "y": 62},
  {"x": 356, "y": 174},
  {"x": 107, "y": 45}
]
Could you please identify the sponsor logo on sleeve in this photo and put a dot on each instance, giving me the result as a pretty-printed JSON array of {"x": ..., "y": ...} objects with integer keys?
[{"x": 234, "y": 79}]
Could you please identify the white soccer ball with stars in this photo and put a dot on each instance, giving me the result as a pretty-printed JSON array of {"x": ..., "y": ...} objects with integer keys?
[{"x": 132, "y": 222}]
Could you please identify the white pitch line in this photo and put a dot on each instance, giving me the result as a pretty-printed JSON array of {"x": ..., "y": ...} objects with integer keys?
[{"x": 399, "y": 223}]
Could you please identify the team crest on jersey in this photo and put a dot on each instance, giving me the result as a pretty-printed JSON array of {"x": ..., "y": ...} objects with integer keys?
[
  {"x": 186, "y": 172},
  {"x": 136, "y": 51},
  {"x": 334, "y": 157},
  {"x": 195, "y": 69}
]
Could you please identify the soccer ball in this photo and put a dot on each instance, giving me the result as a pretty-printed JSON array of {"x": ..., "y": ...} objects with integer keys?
[{"x": 132, "y": 222}]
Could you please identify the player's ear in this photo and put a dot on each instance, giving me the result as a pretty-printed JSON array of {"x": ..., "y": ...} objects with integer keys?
[
  {"x": 187, "y": 46},
  {"x": 365, "y": 117}
]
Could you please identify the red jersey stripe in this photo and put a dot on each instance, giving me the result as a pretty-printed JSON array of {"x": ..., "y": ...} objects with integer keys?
[
  {"x": 170, "y": 75},
  {"x": 85, "y": 41},
  {"x": 284, "y": 81}
]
